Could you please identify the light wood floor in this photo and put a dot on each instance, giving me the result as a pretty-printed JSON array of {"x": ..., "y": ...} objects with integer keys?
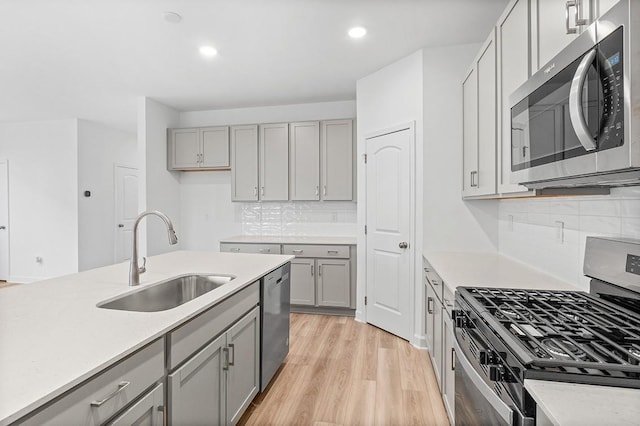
[
  {"x": 6, "y": 284},
  {"x": 342, "y": 372}
]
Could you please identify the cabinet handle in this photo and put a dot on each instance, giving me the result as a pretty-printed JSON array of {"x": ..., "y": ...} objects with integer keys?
[
  {"x": 225, "y": 351},
  {"x": 297, "y": 251},
  {"x": 233, "y": 354},
  {"x": 317, "y": 190},
  {"x": 319, "y": 270},
  {"x": 255, "y": 191},
  {"x": 524, "y": 151},
  {"x": 430, "y": 305},
  {"x": 265, "y": 250},
  {"x": 121, "y": 386},
  {"x": 332, "y": 251},
  {"x": 435, "y": 282},
  {"x": 453, "y": 359},
  {"x": 473, "y": 181},
  {"x": 448, "y": 302},
  {"x": 235, "y": 249},
  {"x": 262, "y": 191},
  {"x": 426, "y": 269},
  {"x": 324, "y": 190},
  {"x": 162, "y": 413},
  {"x": 311, "y": 270}
]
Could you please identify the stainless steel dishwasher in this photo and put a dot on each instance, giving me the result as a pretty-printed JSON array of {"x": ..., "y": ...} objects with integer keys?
[{"x": 274, "y": 336}]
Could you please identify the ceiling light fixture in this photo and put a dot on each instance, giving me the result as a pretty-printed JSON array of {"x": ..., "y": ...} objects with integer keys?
[
  {"x": 172, "y": 17},
  {"x": 208, "y": 51},
  {"x": 357, "y": 32}
]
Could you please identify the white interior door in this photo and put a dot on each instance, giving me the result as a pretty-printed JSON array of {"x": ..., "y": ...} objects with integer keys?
[
  {"x": 4, "y": 220},
  {"x": 389, "y": 239},
  {"x": 126, "y": 201}
]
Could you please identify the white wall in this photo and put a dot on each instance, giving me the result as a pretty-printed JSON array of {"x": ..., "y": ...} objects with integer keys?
[
  {"x": 389, "y": 97},
  {"x": 159, "y": 188},
  {"x": 100, "y": 148},
  {"x": 208, "y": 215},
  {"x": 529, "y": 229},
  {"x": 43, "y": 199},
  {"x": 450, "y": 224}
]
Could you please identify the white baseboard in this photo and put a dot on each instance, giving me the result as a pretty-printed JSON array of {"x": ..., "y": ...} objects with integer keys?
[
  {"x": 24, "y": 280},
  {"x": 419, "y": 341}
]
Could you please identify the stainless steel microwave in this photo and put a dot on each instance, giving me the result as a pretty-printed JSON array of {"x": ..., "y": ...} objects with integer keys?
[{"x": 576, "y": 122}]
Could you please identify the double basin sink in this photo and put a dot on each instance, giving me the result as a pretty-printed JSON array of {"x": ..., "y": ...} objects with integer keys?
[{"x": 167, "y": 294}]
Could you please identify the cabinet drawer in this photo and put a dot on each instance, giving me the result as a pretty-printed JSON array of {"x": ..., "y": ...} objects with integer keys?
[
  {"x": 303, "y": 250},
  {"x": 250, "y": 248},
  {"x": 188, "y": 338},
  {"x": 99, "y": 398}
]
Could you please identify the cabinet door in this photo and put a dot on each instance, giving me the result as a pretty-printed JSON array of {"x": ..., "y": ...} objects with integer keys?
[
  {"x": 274, "y": 162},
  {"x": 549, "y": 33},
  {"x": 214, "y": 146},
  {"x": 436, "y": 353},
  {"x": 197, "y": 389},
  {"x": 304, "y": 161},
  {"x": 303, "y": 282},
  {"x": 244, "y": 163},
  {"x": 148, "y": 411},
  {"x": 243, "y": 376},
  {"x": 470, "y": 133},
  {"x": 184, "y": 149},
  {"x": 448, "y": 367},
  {"x": 513, "y": 70},
  {"x": 486, "y": 68},
  {"x": 333, "y": 283},
  {"x": 336, "y": 160}
]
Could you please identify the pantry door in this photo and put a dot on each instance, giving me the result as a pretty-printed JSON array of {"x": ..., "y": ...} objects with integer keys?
[
  {"x": 389, "y": 241},
  {"x": 4, "y": 220},
  {"x": 126, "y": 202}
]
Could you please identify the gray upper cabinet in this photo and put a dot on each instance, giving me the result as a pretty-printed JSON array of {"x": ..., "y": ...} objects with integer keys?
[
  {"x": 198, "y": 148},
  {"x": 336, "y": 146},
  {"x": 244, "y": 163},
  {"x": 304, "y": 161},
  {"x": 479, "y": 123},
  {"x": 512, "y": 40},
  {"x": 274, "y": 162}
]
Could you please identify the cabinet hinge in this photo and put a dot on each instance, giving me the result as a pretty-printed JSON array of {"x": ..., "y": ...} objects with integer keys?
[
  {"x": 365, "y": 230},
  {"x": 365, "y": 159},
  {"x": 365, "y": 301}
]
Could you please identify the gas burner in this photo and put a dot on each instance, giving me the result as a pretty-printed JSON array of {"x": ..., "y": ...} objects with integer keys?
[
  {"x": 505, "y": 311},
  {"x": 553, "y": 346}
]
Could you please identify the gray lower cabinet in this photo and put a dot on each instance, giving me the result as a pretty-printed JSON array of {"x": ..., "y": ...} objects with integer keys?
[
  {"x": 149, "y": 410},
  {"x": 333, "y": 283},
  {"x": 218, "y": 383},
  {"x": 303, "y": 282}
]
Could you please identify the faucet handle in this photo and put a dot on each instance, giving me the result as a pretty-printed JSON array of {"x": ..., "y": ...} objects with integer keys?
[{"x": 143, "y": 268}]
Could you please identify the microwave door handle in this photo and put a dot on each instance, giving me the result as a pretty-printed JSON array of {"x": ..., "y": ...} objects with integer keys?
[{"x": 575, "y": 103}]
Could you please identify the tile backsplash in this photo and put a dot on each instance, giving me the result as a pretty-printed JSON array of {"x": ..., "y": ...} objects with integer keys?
[
  {"x": 550, "y": 233},
  {"x": 298, "y": 218}
]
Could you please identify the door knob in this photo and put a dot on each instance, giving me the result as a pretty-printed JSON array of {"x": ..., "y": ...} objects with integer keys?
[
  {"x": 120, "y": 225},
  {"x": 2, "y": 227},
  {"x": 403, "y": 245}
]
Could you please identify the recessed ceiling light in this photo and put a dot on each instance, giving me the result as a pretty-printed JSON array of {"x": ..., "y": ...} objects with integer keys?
[
  {"x": 171, "y": 17},
  {"x": 357, "y": 32},
  {"x": 208, "y": 51}
]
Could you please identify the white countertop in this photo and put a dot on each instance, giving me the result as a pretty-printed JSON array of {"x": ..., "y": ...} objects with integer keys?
[
  {"x": 563, "y": 403},
  {"x": 281, "y": 239},
  {"x": 53, "y": 337},
  {"x": 568, "y": 404},
  {"x": 477, "y": 269}
]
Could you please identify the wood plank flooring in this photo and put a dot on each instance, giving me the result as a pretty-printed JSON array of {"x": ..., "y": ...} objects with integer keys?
[{"x": 342, "y": 372}]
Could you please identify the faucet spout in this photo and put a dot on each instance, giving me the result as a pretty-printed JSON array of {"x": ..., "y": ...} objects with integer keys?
[{"x": 134, "y": 269}]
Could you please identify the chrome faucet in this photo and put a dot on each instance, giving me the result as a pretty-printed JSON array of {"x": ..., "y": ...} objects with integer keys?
[{"x": 134, "y": 270}]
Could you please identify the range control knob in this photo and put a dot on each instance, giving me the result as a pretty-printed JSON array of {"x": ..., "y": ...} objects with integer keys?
[{"x": 487, "y": 357}]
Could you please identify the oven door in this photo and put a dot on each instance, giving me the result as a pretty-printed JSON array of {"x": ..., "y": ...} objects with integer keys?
[{"x": 476, "y": 402}]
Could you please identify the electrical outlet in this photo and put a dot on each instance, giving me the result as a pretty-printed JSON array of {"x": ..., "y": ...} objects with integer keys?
[
  {"x": 38, "y": 259},
  {"x": 559, "y": 231}
]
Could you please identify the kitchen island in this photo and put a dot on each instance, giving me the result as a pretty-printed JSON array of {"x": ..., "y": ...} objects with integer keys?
[{"x": 53, "y": 337}]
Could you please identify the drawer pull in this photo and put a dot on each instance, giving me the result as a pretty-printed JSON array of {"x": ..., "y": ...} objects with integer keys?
[
  {"x": 434, "y": 282},
  {"x": 332, "y": 251},
  {"x": 265, "y": 250},
  {"x": 232, "y": 354},
  {"x": 453, "y": 359},
  {"x": 225, "y": 352},
  {"x": 297, "y": 251},
  {"x": 430, "y": 305},
  {"x": 448, "y": 302},
  {"x": 121, "y": 387},
  {"x": 235, "y": 249}
]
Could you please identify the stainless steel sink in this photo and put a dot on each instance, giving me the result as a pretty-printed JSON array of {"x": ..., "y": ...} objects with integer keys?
[{"x": 167, "y": 294}]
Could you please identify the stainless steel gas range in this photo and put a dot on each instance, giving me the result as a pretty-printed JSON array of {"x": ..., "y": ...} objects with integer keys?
[{"x": 504, "y": 336}]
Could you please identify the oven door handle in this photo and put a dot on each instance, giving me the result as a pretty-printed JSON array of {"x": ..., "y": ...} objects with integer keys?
[
  {"x": 575, "y": 103},
  {"x": 489, "y": 394}
]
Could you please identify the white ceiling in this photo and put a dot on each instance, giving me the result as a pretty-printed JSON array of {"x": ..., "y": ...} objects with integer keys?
[{"x": 91, "y": 58}]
